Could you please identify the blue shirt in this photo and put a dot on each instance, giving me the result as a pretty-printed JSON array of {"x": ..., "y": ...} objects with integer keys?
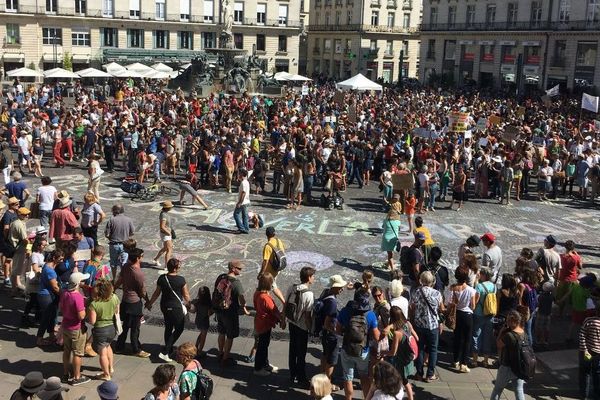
[
  {"x": 46, "y": 276},
  {"x": 16, "y": 189},
  {"x": 344, "y": 319}
]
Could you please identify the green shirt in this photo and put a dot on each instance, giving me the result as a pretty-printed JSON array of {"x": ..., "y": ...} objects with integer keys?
[
  {"x": 579, "y": 297},
  {"x": 105, "y": 310}
]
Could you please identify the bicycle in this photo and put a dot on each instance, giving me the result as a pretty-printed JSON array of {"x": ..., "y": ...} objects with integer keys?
[{"x": 146, "y": 194}]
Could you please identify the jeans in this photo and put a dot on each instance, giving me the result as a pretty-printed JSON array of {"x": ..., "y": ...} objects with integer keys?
[
  {"x": 240, "y": 214},
  {"x": 589, "y": 377},
  {"x": 297, "y": 352},
  {"x": 277, "y": 175},
  {"x": 108, "y": 157},
  {"x": 428, "y": 342},
  {"x": 528, "y": 329},
  {"x": 48, "y": 311},
  {"x": 261, "y": 360},
  {"x": 133, "y": 323},
  {"x": 503, "y": 378},
  {"x": 462, "y": 336},
  {"x": 45, "y": 218},
  {"x": 483, "y": 334},
  {"x": 308, "y": 184},
  {"x": 174, "y": 324},
  {"x": 432, "y": 191},
  {"x": 357, "y": 172},
  {"x": 115, "y": 251}
]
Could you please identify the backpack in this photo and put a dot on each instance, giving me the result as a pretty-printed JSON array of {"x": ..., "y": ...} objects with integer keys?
[
  {"x": 355, "y": 335},
  {"x": 408, "y": 349},
  {"x": 490, "y": 307},
  {"x": 318, "y": 319},
  {"x": 531, "y": 298},
  {"x": 204, "y": 385},
  {"x": 526, "y": 360},
  {"x": 221, "y": 297},
  {"x": 290, "y": 309},
  {"x": 405, "y": 264},
  {"x": 278, "y": 258}
]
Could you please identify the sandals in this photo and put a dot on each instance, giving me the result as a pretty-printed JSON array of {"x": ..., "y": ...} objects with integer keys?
[
  {"x": 432, "y": 378},
  {"x": 103, "y": 377},
  {"x": 335, "y": 388}
]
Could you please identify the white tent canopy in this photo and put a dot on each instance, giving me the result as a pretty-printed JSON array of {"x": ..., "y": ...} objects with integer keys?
[
  {"x": 295, "y": 77},
  {"x": 113, "y": 66},
  {"x": 125, "y": 73},
  {"x": 358, "y": 82},
  {"x": 23, "y": 73},
  {"x": 93, "y": 73},
  {"x": 60, "y": 73},
  {"x": 162, "y": 67},
  {"x": 283, "y": 76},
  {"x": 156, "y": 75},
  {"x": 138, "y": 67}
]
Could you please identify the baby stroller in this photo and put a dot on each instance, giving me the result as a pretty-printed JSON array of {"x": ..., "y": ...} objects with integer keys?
[{"x": 332, "y": 201}]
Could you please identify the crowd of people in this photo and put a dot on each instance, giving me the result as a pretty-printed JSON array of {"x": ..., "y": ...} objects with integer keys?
[{"x": 410, "y": 142}]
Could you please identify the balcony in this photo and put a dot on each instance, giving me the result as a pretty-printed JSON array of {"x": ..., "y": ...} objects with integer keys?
[
  {"x": 273, "y": 22},
  {"x": 392, "y": 4},
  {"x": 514, "y": 26},
  {"x": 375, "y": 3},
  {"x": 362, "y": 28},
  {"x": 407, "y": 5},
  {"x": 11, "y": 42},
  {"x": 558, "y": 62}
]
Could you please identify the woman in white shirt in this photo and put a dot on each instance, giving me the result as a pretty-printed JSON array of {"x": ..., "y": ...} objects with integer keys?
[
  {"x": 387, "y": 383},
  {"x": 396, "y": 298},
  {"x": 463, "y": 296}
]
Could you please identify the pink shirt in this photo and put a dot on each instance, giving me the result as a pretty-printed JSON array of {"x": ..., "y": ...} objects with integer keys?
[{"x": 71, "y": 303}]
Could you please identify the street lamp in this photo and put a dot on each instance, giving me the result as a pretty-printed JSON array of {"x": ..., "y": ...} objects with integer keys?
[{"x": 55, "y": 50}]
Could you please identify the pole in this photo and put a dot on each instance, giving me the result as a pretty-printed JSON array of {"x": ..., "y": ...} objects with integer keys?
[
  {"x": 55, "y": 51},
  {"x": 401, "y": 72}
]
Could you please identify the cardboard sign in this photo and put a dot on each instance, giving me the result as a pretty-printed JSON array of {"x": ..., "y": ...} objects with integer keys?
[
  {"x": 482, "y": 124},
  {"x": 521, "y": 112},
  {"x": 304, "y": 90},
  {"x": 82, "y": 255},
  {"x": 403, "y": 181},
  {"x": 468, "y": 134},
  {"x": 495, "y": 120},
  {"x": 483, "y": 142},
  {"x": 458, "y": 121},
  {"x": 510, "y": 133}
]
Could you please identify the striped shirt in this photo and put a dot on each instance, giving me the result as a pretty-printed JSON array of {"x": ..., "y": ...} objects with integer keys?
[{"x": 589, "y": 336}]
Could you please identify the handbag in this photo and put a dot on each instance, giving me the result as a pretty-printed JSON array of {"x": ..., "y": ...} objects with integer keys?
[
  {"x": 35, "y": 210},
  {"x": 183, "y": 307},
  {"x": 398, "y": 243},
  {"x": 173, "y": 234},
  {"x": 118, "y": 324},
  {"x": 451, "y": 312}
]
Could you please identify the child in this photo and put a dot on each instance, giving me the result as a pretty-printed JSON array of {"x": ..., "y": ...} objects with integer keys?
[
  {"x": 544, "y": 310},
  {"x": 409, "y": 209},
  {"x": 579, "y": 294},
  {"x": 255, "y": 220},
  {"x": 96, "y": 269},
  {"x": 215, "y": 167},
  {"x": 202, "y": 307},
  {"x": 428, "y": 244},
  {"x": 128, "y": 245},
  {"x": 367, "y": 279}
]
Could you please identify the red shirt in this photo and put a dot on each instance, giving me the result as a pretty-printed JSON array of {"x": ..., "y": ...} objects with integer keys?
[
  {"x": 569, "y": 262},
  {"x": 62, "y": 223},
  {"x": 267, "y": 314}
]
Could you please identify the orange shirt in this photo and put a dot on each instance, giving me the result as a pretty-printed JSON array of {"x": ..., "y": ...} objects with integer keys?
[
  {"x": 267, "y": 315},
  {"x": 409, "y": 205}
]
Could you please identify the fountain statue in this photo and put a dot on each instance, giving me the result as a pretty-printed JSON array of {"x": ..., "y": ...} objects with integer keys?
[{"x": 226, "y": 35}]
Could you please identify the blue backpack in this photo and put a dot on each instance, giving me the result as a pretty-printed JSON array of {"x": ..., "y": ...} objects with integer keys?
[{"x": 531, "y": 298}]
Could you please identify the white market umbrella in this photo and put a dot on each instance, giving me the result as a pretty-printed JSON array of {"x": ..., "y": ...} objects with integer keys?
[
  {"x": 162, "y": 67},
  {"x": 23, "y": 73},
  {"x": 283, "y": 76},
  {"x": 175, "y": 74},
  {"x": 113, "y": 66},
  {"x": 60, "y": 73},
  {"x": 156, "y": 75},
  {"x": 185, "y": 66},
  {"x": 138, "y": 67},
  {"x": 93, "y": 73},
  {"x": 358, "y": 82},
  {"x": 296, "y": 77},
  {"x": 125, "y": 73}
]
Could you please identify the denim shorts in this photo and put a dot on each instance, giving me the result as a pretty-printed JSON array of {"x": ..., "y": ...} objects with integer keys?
[
  {"x": 351, "y": 364},
  {"x": 331, "y": 348}
]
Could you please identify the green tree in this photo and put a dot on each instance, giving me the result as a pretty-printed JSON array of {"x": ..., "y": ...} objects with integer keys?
[{"x": 68, "y": 61}]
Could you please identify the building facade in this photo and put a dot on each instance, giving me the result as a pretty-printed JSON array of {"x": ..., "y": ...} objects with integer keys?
[
  {"x": 42, "y": 34},
  {"x": 522, "y": 44},
  {"x": 346, "y": 37}
]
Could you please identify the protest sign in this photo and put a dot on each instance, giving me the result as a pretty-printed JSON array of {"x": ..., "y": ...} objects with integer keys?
[
  {"x": 483, "y": 142},
  {"x": 403, "y": 182},
  {"x": 510, "y": 133},
  {"x": 482, "y": 124},
  {"x": 458, "y": 121},
  {"x": 495, "y": 120},
  {"x": 468, "y": 135},
  {"x": 304, "y": 90}
]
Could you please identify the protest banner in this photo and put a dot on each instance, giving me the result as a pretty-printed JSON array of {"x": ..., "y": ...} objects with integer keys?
[
  {"x": 511, "y": 133},
  {"x": 403, "y": 182},
  {"x": 458, "y": 121},
  {"x": 495, "y": 120},
  {"x": 482, "y": 124}
]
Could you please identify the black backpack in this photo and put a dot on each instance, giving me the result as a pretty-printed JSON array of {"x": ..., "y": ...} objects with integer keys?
[
  {"x": 405, "y": 265},
  {"x": 290, "y": 308},
  {"x": 278, "y": 258},
  {"x": 355, "y": 335},
  {"x": 526, "y": 360},
  {"x": 204, "y": 386}
]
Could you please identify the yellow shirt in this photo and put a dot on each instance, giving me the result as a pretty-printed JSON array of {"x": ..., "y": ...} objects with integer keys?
[
  {"x": 268, "y": 251},
  {"x": 428, "y": 240}
]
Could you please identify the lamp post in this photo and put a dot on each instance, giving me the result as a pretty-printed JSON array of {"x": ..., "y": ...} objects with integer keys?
[{"x": 55, "y": 50}]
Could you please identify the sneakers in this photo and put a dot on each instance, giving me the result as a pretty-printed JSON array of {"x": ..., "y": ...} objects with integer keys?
[
  {"x": 142, "y": 354},
  {"x": 456, "y": 366},
  {"x": 464, "y": 369},
  {"x": 272, "y": 368},
  {"x": 262, "y": 372},
  {"x": 165, "y": 357},
  {"x": 65, "y": 378},
  {"x": 157, "y": 263},
  {"x": 7, "y": 283},
  {"x": 249, "y": 359},
  {"x": 79, "y": 381}
]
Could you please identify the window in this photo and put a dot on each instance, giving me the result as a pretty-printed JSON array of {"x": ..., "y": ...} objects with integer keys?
[
  {"x": 509, "y": 54},
  {"x": 532, "y": 54},
  {"x": 108, "y": 37},
  {"x": 433, "y": 14},
  {"x": 451, "y": 15},
  {"x": 282, "y": 44},
  {"x": 238, "y": 40},
  {"x": 374, "y": 17},
  {"x": 373, "y": 45},
  {"x": 390, "y": 20},
  {"x": 161, "y": 39},
  {"x": 209, "y": 40},
  {"x": 261, "y": 13},
  {"x": 135, "y": 38},
  {"x": 349, "y": 17},
  {"x": 490, "y": 14},
  {"x": 470, "y": 14},
  {"x": 327, "y": 18},
  {"x": 450, "y": 50},
  {"x": 431, "y": 49},
  {"x": 389, "y": 47},
  {"x": 134, "y": 9},
  {"x": 12, "y": 34},
  {"x": 261, "y": 44},
  {"x": 51, "y": 6},
  {"x": 52, "y": 36},
  {"x": 536, "y": 12},
  {"x": 338, "y": 46},
  {"x": 238, "y": 12},
  {"x": 487, "y": 53},
  {"x": 406, "y": 21},
  {"x": 405, "y": 48},
  {"x": 283, "y": 15},
  {"x": 80, "y": 37},
  {"x": 327, "y": 45},
  {"x": 186, "y": 40},
  {"x": 560, "y": 50},
  {"x": 159, "y": 9},
  {"x": 12, "y": 5},
  {"x": 593, "y": 11},
  {"x": 338, "y": 18},
  {"x": 512, "y": 13},
  {"x": 184, "y": 10},
  {"x": 564, "y": 10},
  {"x": 80, "y": 6},
  {"x": 209, "y": 11},
  {"x": 348, "y": 45},
  {"x": 108, "y": 8},
  {"x": 586, "y": 54}
]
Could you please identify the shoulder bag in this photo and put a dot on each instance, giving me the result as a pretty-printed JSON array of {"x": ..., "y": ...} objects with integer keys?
[
  {"x": 398, "y": 244},
  {"x": 441, "y": 317},
  {"x": 183, "y": 307},
  {"x": 451, "y": 312}
]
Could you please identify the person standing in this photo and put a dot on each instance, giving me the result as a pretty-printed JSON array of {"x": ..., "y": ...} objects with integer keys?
[
  {"x": 134, "y": 290},
  {"x": 94, "y": 174},
  {"x": 46, "y": 195},
  {"x": 72, "y": 308},
  {"x": 119, "y": 228},
  {"x": 549, "y": 260},
  {"x": 464, "y": 296},
  {"x": 482, "y": 324},
  {"x": 589, "y": 357},
  {"x": 228, "y": 300},
  {"x": 18, "y": 188},
  {"x": 508, "y": 346},
  {"x": 391, "y": 229},
  {"x": 459, "y": 180},
  {"x": 229, "y": 169},
  {"x": 62, "y": 222},
  {"x": 101, "y": 311},
  {"x": 240, "y": 214},
  {"x": 175, "y": 295},
  {"x": 91, "y": 216},
  {"x": 108, "y": 145},
  {"x": 273, "y": 245},
  {"x": 492, "y": 255},
  {"x": 17, "y": 235},
  {"x": 6, "y": 161},
  {"x": 571, "y": 265},
  {"x": 299, "y": 322},
  {"x": 7, "y": 249},
  {"x": 166, "y": 233}
]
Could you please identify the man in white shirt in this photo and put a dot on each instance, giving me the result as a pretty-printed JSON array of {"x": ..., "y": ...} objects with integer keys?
[
  {"x": 240, "y": 214},
  {"x": 492, "y": 255},
  {"x": 46, "y": 195},
  {"x": 24, "y": 155}
]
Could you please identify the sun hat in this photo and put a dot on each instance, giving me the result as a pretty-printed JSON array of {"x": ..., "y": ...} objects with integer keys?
[
  {"x": 64, "y": 202},
  {"x": 108, "y": 390},
  {"x": 33, "y": 382},
  {"x": 53, "y": 388},
  {"x": 336, "y": 281},
  {"x": 167, "y": 204},
  {"x": 13, "y": 200},
  {"x": 24, "y": 211}
]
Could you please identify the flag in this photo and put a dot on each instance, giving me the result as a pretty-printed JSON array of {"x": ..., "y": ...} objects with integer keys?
[
  {"x": 555, "y": 91},
  {"x": 589, "y": 102}
]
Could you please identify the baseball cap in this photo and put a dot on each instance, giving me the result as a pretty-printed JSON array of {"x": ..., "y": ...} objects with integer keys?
[
  {"x": 551, "y": 240},
  {"x": 76, "y": 278},
  {"x": 489, "y": 237}
]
